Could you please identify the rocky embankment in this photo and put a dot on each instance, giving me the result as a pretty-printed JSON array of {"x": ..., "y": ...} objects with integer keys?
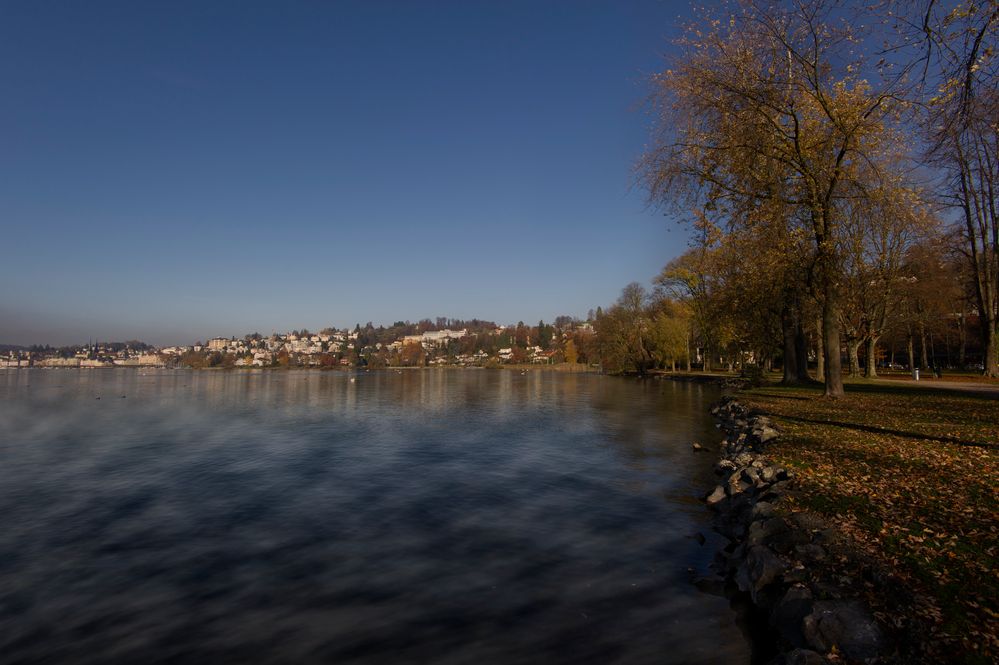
[{"x": 779, "y": 558}]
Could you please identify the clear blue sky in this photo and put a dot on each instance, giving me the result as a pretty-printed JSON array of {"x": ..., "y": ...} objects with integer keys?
[{"x": 177, "y": 170}]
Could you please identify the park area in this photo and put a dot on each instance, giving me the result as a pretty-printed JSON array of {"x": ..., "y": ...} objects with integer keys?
[{"x": 909, "y": 473}]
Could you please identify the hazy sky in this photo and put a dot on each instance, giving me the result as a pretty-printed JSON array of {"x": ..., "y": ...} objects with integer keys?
[{"x": 178, "y": 170}]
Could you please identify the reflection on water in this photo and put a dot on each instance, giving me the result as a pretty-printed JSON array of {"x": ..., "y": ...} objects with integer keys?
[{"x": 286, "y": 517}]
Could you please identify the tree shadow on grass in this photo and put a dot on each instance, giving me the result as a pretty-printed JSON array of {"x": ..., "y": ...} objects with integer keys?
[
  {"x": 814, "y": 390},
  {"x": 799, "y": 398},
  {"x": 892, "y": 432}
]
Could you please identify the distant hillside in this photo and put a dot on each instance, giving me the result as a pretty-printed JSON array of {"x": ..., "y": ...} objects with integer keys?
[{"x": 7, "y": 348}]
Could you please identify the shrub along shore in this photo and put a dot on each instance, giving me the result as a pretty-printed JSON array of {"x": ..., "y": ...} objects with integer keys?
[{"x": 867, "y": 528}]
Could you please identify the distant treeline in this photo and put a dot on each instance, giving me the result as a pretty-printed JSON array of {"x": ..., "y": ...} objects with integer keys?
[{"x": 73, "y": 349}]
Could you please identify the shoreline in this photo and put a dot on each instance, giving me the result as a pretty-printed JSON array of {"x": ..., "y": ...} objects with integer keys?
[
  {"x": 776, "y": 559},
  {"x": 563, "y": 369}
]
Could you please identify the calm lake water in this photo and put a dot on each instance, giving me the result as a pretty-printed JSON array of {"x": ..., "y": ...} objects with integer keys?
[{"x": 297, "y": 517}]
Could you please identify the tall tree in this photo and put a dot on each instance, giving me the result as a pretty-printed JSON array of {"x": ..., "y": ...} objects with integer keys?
[
  {"x": 692, "y": 280},
  {"x": 771, "y": 102},
  {"x": 960, "y": 57},
  {"x": 880, "y": 229},
  {"x": 668, "y": 333},
  {"x": 571, "y": 355},
  {"x": 622, "y": 332}
]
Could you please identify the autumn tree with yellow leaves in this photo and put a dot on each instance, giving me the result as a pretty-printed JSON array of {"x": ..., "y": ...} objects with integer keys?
[{"x": 775, "y": 105}]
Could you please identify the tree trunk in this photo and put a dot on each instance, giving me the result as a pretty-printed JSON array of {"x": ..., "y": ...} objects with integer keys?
[
  {"x": 962, "y": 348},
  {"x": 688, "y": 354},
  {"x": 820, "y": 355},
  {"x": 981, "y": 220},
  {"x": 801, "y": 351},
  {"x": 791, "y": 372},
  {"x": 924, "y": 362},
  {"x": 991, "y": 363},
  {"x": 912, "y": 353},
  {"x": 872, "y": 358},
  {"x": 830, "y": 334},
  {"x": 852, "y": 348}
]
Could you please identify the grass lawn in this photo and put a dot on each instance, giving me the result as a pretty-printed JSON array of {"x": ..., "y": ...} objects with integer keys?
[{"x": 911, "y": 475}]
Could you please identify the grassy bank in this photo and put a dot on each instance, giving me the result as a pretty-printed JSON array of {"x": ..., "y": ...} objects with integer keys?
[{"x": 911, "y": 475}]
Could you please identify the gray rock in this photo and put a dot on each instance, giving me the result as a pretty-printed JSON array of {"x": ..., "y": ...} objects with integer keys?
[
  {"x": 768, "y": 434},
  {"x": 796, "y": 575},
  {"x": 740, "y": 506},
  {"x": 762, "y": 532},
  {"x": 768, "y": 473},
  {"x": 725, "y": 466},
  {"x": 846, "y": 625},
  {"x": 716, "y": 496},
  {"x": 780, "y": 485},
  {"x": 784, "y": 541},
  {"x": 762, "y": 510},
  {"x": 789, "y": 614},
  {"x": 760, "y": 569},
  {"x": 736, "y": 485}
]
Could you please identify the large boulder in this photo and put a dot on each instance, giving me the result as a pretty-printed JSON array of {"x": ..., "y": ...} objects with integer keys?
[
  {"x": 763, "y": 531},
  {"x": 846, "y": 625},
  {"x": 790, "y": 612},
  {"x": 760, "y": 569}
]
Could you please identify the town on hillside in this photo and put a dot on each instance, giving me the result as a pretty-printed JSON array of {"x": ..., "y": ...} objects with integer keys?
[{"x": 444, "y": 342}]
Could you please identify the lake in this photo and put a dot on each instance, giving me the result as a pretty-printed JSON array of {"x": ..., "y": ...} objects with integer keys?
[{"x": 430, "y": 516}]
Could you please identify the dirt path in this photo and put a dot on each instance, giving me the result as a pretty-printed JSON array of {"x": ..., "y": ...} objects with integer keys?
[{"x": 985, "y": 389}]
